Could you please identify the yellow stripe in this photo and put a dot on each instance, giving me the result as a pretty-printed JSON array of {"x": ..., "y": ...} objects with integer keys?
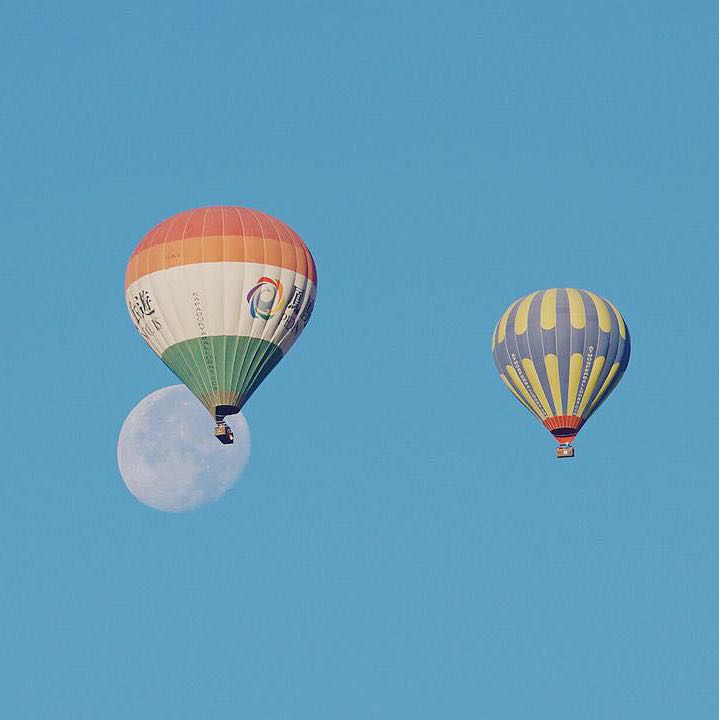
[
  {"x": 620, "y": 320},
  {"x": 516, "y": 394},
  {"x": 605, "y": 324},
  {"x": 522, "y": 317},
  {"x": 605, "y": 385},
  {"x": 534, "y": 381},
  {"x": 552, "y": 364},
  {"x": 503, "y": 323},
  {"x": 577, "y": 315},
  {"x": 575, "y": 372},
  {"x": 494, "y": 337},
  {"x": 519, "y": 385},
  {"x": 591, "y": 383},
  {"x": 549, "y": 309}
]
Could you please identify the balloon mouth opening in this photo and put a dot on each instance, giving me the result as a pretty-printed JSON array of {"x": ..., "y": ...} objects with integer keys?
[
  {"x": 224, "y": 410},
  {"x": 566, "y": 437},
  {"x": 564, "y": 427}
]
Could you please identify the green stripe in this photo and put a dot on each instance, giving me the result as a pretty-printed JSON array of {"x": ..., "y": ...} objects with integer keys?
[{"x": 222, "y": 369}]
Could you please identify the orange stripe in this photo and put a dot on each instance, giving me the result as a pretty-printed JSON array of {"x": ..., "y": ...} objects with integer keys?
[
  {"x": 221, "y": 220},
  {"x": 220, "y": 234},
  {"x": 563, "y": 421}
]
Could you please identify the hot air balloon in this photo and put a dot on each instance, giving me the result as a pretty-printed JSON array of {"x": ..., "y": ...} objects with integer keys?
[
  {"x": 221, "y": 294},
  {"x": 561, "y": 352}
]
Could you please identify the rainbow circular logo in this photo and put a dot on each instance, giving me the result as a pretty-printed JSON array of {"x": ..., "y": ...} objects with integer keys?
[{"x": 265, "y": 298}]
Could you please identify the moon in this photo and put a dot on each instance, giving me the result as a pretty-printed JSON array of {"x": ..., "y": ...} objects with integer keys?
[{"x": 169, "y": 457}]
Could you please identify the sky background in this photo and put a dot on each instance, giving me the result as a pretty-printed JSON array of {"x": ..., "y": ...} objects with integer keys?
[{"x": 404, "y": 544}]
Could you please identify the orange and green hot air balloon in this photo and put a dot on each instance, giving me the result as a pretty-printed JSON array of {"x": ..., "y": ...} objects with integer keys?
[
  {"x": 221, "y": 294},
  {"x": 561, "y": 352}
]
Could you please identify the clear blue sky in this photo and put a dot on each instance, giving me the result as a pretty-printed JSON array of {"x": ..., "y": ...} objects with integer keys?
[{"x": 405, "y": 546}]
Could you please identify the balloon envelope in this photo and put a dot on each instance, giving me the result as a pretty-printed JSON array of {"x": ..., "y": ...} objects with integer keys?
[
  {"x": 561, "y": 352},
  {"x": 221, "y": 294}
]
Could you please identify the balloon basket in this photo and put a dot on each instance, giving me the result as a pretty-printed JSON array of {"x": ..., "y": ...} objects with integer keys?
[
  {"x": 223, "y": 432},
  {"x": 565, "y": 451}
]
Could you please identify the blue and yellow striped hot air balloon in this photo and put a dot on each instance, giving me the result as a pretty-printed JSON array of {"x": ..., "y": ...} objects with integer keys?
[{"x": 561, "y": 352}]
